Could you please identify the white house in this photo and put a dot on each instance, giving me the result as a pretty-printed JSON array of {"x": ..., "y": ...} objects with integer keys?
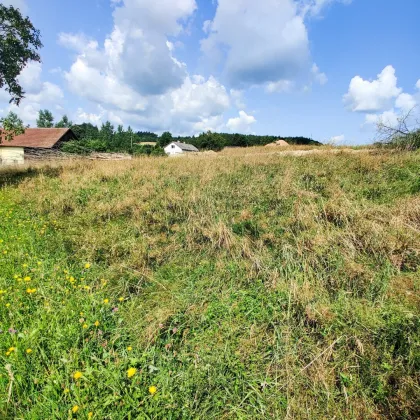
[{"x": 177, "y": 148}]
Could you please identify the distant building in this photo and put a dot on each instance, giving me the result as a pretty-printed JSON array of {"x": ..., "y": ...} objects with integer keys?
[
  {"x": 177, "y": 148},
  {"x": 33, "y": 140}
]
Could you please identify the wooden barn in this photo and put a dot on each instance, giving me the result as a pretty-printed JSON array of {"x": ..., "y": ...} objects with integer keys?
[{"x": 34, "y": 142}]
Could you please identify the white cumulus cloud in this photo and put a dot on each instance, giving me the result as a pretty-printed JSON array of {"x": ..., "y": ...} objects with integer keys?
[
  {"x": 241, "y": 124},
  {"x": 264, "y": 41},
  {"x": 371, "y": 96},
  {"x": 405, "y": 102}
]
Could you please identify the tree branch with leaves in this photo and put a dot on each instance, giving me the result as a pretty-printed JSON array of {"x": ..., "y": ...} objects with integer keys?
[{"x": 19, "y": 44}]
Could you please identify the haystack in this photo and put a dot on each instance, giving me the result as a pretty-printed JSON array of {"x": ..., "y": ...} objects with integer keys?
[{"x": 279, "y": 142}]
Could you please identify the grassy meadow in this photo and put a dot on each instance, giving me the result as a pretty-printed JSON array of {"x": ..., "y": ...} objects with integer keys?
[{"x": 230, "y": 286}]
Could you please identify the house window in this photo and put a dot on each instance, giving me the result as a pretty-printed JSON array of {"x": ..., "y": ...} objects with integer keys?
[{"x": 173, "y": 147}]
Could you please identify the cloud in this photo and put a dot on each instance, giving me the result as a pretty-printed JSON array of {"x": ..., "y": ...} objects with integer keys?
[
  {"x": 241, "y": 124},
  {"x": 238, "y": 98},
  {"x": 137, "y": 54},
  {"x": 337, "y": 139},
  {"x": 198, "y": 98},
  {"x": 86, "y": 117},
  {"x": 313, "y": 8},
  {"x": 280, "y": 86},
  {"x": 135, "y": 77},
  {"x": 418, "y": 84},
  {"x": 366, "y": 96},
  {"x": 389, "y": 118},
  {"x": 102, "y": 88},
  {"x": 405, "y": 102},
  {"x": 38, "y": 94},
  {"x": 30, "y": 77},
  {"x": 207, "y": 26},
  {"x": 77, "y": 42},
  {"x": 318, "y": 76},
  {"x": 263, "y": 42}
]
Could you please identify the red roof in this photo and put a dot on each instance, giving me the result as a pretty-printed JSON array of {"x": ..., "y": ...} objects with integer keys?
[{"x": 43, "y": 138}]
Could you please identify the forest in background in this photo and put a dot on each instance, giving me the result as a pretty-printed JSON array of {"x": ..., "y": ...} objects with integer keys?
[{"x": 107, "y": 138}]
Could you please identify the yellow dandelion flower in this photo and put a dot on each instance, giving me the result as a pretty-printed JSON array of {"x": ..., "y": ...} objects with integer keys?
[
  {"x": 106, "y": 301},
  {"x": 96, "y": 323},
  {"x": 39, "y": 262},
  {"x": 152, "y": 390},
  {"x": 12, "y": 349},
  {"x": 7, "y": 353},
  {"x": 87, "y": 265},
  {"x": 121, "y": 299},
  {"x": 90, "y": 415},
  {"x": 77, "y": 375},
  {"x": 30, "y": 291},
  {"x": 75, "y": 409},
  {"x": 66, "y": 391},
  {"x": 7, "y": 305},
  {"x": 129, "y": 348},
  {"x": 15, "y": 276},
  {"x": 85, "y": 326},
  {"x": 25, "y": 265},
  {"x": 28, "y": 351},
  {"x": 27, "y": 278},
  {"x": 131, "y": 372}
]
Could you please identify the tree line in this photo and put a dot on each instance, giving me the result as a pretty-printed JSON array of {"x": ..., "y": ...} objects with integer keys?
[{"x": 107, "y": 138}]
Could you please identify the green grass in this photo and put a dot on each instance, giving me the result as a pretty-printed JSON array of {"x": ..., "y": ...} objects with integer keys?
[{"x": 255, "y": 286}]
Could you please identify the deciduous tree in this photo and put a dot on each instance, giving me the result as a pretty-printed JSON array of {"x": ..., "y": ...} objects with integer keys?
[
  {"x": 45, "y": 119},
  {"x": 19, "y": 44},
  {"x": 11, "y": 126}
]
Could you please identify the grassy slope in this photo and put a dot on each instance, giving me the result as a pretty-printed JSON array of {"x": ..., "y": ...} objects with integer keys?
[{"x": 250, "y": 287}]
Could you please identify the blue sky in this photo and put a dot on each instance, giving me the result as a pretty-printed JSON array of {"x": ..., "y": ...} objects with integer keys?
[{"x": 329, "y": 69}]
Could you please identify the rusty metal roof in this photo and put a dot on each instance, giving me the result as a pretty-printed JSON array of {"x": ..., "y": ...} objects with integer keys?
[{"x": 43, "y": 138}]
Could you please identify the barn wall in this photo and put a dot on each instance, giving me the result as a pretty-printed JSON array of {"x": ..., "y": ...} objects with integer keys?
[
  {"x": 11, "y": 156},
  {"x": 169, "y": 150}
]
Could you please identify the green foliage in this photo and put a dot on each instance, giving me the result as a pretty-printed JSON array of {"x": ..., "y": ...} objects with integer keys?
[
  {"x": 410, "y": 141},
  {"x": 211, "y": 141},
  {"x": 85, "y": 130},
  {"x": 19, "y": 42},
  {"x": 64, "y": 123},
  {"x": 11, "y": 126},
  {"x": 45, "y": 119},
  {"x": 165, "y": 139}
]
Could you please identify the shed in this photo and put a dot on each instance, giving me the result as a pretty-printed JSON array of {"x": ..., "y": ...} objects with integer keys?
[
  {"x": 39, "y": 140},
  {"x": 177, "y": 148}
]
